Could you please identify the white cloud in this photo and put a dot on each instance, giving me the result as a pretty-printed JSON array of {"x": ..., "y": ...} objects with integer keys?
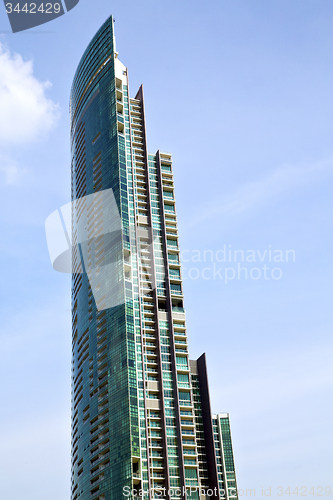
[
  {"x": 10, "y": 172},
  {"x": 255, "y": 193},
  {"x": 26, "y": 113}
]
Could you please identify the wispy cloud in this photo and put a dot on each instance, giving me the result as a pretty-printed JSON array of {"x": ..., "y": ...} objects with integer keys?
[
  {"x": 26, "y": 113},
  {"x": 275, "y": 381},
  {"x": 40, "y": 442},
  {"x": 258, "y": 192},
  {"x": 10, "y": 172},
  {"x": 273, "y": 409}
]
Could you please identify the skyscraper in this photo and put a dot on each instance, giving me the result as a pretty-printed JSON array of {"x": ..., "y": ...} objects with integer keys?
[{"x": 141, "y": 417}]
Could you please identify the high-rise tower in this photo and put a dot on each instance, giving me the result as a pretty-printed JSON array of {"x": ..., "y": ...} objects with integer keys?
[{"x": 141, "y": 417}]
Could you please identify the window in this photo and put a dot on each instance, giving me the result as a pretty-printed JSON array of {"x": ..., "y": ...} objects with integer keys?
[
  {"x": 180, "y": 360},
  {"x": 184, "y": 396},
  {"x": 173, "y": 257},
  {"x": 175, "y": 289},
  {"x": 169, "y": 208},
  {"x": 174, "y": 273},
  {"x": 168, "y": 194}
]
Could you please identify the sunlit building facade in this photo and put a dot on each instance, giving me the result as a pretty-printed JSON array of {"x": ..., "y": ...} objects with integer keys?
[{"x": 141, "y": 418}]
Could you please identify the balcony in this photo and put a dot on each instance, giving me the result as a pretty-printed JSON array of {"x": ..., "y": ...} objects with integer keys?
[
  {"x": 190, "y": 462},
  {"x": 155, "y": 444},
  {"x": 149, "y": 336},
  {"x": 178, "y": 310},
  {"x": 185, "y": 403},
  {"x": 187, "y": 413},
  {"x": 169, "y": 209},
  {"x": 150, "y": 369},
  {"x": 150, "y": 356},
  {"x": 189, "y": 451},
  {"x": 182, "y": 368},
  {"x": 149, "y": 327},
  {"x": 168, "y": 195},
  {"x": 184, "y": 385},
  {"x": 136, "y": 478},
  {"x": 188, "y": 432}
]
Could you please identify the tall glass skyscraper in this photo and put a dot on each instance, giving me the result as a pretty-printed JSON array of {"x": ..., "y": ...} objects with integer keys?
[{"x": 141, "y": 417}]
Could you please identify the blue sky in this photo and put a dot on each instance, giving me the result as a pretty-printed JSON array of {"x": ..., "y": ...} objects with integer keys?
[{"x": 240, "y": 91}]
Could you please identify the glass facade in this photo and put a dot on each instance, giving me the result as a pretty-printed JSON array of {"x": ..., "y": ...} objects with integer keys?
[
  {"x": 224, "y": 456},
  {"x": 141, "y": 418}
]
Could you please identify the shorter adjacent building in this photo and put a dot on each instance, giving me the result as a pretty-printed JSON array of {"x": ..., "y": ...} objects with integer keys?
[
  {"x": 224, "y": 456},
  {"x": 213, "y": 437}
]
